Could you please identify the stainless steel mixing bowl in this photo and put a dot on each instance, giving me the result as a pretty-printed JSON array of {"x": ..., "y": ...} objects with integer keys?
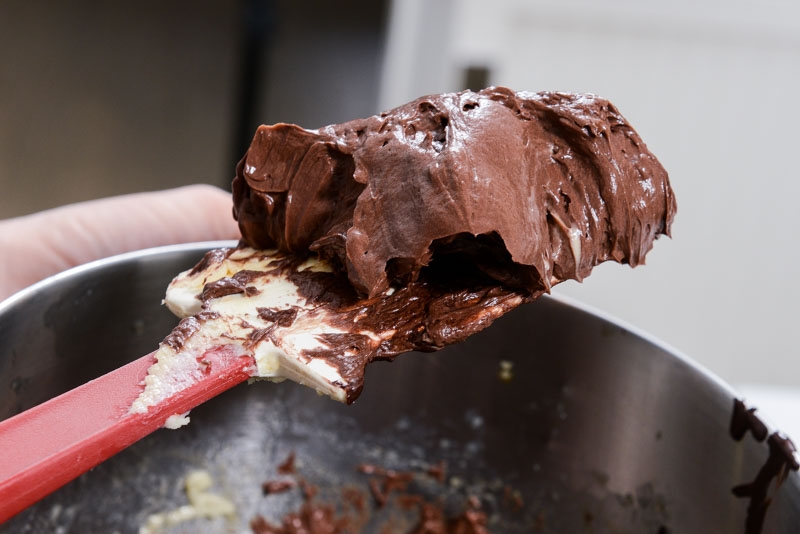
[{"x": 600, "y": 429}]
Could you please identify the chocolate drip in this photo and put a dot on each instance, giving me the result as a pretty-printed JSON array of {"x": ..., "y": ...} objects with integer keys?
[
  {"x": 780, "y": 461},
  {"x": 745, "y": 419}
]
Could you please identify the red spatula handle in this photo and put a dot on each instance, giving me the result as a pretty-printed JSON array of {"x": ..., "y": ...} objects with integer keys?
[{"x": 49, "y": 445}]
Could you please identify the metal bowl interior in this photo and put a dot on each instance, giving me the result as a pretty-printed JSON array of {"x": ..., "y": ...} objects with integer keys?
[{"x": 599, "y": 429}]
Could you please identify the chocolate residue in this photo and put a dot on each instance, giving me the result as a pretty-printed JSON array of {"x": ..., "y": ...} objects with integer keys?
[
  {"x": 238, "y": 283},
  {"x": 526, "y": 188},
  {"x": 311, "y": 518},
  {"x": 186, "y": 328},
  {"x": 356, "y": 500},
  {"x": 513, "y": 498},
  {"x": 780, "y": 461},
  {"x": 745, "y": 419},
  {"x": 277, "y": 486},
  {"x": 257, "y": 335},
  {"x": 432, "y": 521},
  {"x": 309, "y": 490},
  {"x": 438, "y": 471},
  {"x": 422, "y": 316},
  {"x": 279, "y": 317},
  {"x": 287, "y": 467},
  {"x": 385, "y": 481},
  {"x": 443, "y": 306},
  {"x": 210, "y": 258},
  {"x": 332, "y": 289},
  {"x": 314, "y": 517}
]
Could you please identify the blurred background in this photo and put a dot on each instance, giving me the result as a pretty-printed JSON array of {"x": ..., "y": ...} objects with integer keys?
[{"x": 99, "y": 99}]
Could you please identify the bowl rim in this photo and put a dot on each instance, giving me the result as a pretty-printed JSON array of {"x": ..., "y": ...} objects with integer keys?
[{"x": 43, "y": 285}]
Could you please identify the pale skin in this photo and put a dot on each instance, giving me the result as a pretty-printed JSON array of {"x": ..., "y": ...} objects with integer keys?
[{"x": 42, "y": 244}]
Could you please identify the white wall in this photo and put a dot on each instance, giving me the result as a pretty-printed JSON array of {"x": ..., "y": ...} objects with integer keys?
[{"x": 713, "y": 88}]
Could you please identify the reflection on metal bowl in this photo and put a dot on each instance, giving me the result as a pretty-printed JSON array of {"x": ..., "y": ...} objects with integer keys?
[{"x": 592, "y": 427}]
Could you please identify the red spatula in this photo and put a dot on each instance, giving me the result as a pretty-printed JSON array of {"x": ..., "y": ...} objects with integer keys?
[{"x": 49, "y": 445}]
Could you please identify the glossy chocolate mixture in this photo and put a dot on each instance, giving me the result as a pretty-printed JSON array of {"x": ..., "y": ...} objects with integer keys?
[
  {"x": 443, "y": 214},
  {"x": 527, "y": 188}
]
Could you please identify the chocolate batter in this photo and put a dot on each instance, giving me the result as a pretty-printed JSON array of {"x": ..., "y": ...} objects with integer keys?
[
  {"x": 443, "y": 214},
  {"x": 431, "y": 220},
  {"x": 526, "y": 188}
]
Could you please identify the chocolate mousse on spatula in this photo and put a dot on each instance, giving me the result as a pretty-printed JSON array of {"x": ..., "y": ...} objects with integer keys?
[{"x": 411, "y": 230}]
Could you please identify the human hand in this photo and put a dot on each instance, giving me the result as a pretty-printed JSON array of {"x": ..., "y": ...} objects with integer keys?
[{"x": 36, "y": 246}]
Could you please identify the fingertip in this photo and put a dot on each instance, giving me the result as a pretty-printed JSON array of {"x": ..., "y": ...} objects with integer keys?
[{"x": 209, "y": 206}]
